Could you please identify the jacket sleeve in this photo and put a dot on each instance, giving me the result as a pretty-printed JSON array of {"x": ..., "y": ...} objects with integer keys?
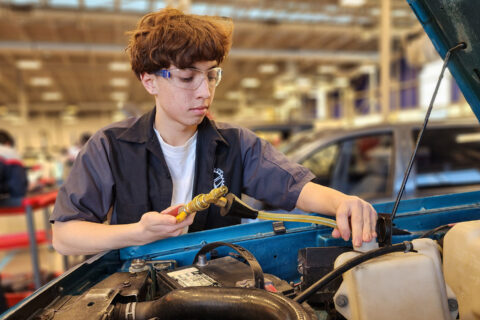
[
  {"x": 268, "y": 175},
  {"x": 17, "y": 180},
  {"x": 13, "y": 174},
  {"x": 88, "y": 191}
]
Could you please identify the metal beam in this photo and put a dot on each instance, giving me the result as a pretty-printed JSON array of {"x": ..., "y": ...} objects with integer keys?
[{"x": 246, "y": 54}]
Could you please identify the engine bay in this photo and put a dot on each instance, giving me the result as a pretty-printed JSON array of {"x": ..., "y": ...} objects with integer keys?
[{"x": 227, "y": 281}]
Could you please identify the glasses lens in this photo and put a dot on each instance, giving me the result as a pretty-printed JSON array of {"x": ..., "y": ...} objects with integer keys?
[{"x": 192, "y": 78}]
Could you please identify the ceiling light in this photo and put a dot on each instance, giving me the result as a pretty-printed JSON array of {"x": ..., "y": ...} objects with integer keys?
[
  {"x": 40, "y": 81},
  {"x": 119, "y": 82},
  {"x": 233, "y": 95},
  {"x": 51, "y": 96},
  {"x": 304, "y": 83},
  {"x": 352, "y": 3},
  {"x": 400, "y": 13},
  {"x": 250, "y": 83},
  {"x": 119, "y": 66},
  {"x": 118, "y": 96},
  {"x": 341, "y": 82},
  {"x": 326, "y": 69},
  {"x": 267, "y": 68},
  {"x": 29, "y": 64}
]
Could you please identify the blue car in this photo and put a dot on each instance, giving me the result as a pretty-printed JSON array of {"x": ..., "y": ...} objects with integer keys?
[{"x": 426, "y": 264}]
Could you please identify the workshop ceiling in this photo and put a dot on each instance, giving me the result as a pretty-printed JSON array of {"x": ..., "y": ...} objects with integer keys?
[{"x": 61, "y": 54}]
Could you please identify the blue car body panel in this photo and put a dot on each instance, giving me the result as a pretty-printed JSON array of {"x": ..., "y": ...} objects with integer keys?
[{"x": 276, "y": 253}]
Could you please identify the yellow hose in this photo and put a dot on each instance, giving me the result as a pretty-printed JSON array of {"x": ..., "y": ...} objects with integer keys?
[{"x": 297, "y": 218}]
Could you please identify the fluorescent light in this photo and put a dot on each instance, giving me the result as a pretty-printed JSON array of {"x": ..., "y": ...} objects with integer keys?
[
  {"x": 118, "y": 96},
  {"x": 304, "y": 82},
  {"x": 119, "y": 66},
  {"x": 267, "y": 68},
  {"x": 29, "y": 64},
  {"x": 467, "y": 137},
  {"x": 40, "y": 81},
  {"x": 341, "y": 82},
  {"x": 250, "y": 83},
  {"x": 233, "y": 95},
  {"x": 119, "y": 82},
  {"x": 352, "y": 3},
  {"x": 326, "y": 69},
  {"x": 400, "y": 13},
  {"x": 51, "y": 96}
]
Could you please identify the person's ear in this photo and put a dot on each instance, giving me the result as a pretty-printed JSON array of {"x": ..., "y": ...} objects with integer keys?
[{"x": 149, "y": 83}]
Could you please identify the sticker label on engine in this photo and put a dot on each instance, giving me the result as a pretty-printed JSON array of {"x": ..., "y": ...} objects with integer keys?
[{"x": 192, "y": 277}]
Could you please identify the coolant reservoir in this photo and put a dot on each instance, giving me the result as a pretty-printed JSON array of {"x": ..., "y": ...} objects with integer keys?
[
  {"x": 395, "y": 286},
  {"x": 461, "y": 263}
]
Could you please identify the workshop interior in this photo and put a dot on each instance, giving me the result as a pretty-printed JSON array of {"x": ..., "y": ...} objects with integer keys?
[{"x": 378, "y": 98}]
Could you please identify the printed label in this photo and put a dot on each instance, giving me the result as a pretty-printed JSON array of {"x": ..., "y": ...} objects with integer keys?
[{"x": 192, "y": 277}]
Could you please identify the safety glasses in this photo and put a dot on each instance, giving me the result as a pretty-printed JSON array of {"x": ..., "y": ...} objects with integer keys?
[{"x": 191, "y": 78}]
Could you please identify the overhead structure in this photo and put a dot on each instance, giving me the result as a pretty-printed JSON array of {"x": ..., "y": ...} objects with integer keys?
[{"x": 61, "y": 53}]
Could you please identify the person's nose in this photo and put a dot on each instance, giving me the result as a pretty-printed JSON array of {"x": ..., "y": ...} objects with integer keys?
[{"x": 204, "y": 90}]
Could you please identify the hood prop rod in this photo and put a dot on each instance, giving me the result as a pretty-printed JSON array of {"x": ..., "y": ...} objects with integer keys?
[{"x": 461, "y": 45}]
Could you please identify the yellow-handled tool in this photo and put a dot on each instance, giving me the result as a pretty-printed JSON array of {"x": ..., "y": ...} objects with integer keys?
[{"x": 202, "y": 202}]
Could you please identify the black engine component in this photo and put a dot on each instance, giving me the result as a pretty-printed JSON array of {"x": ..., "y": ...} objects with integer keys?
[
  {"x": 221, "y": 272},
  {"x": 313, "y": 264},
  {"x": 215, "y": 303}
]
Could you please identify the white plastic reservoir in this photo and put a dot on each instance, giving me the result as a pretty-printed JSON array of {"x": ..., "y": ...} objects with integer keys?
[
  {"x": 395, "y": 286},
  {"x": 461, "y": 262}
]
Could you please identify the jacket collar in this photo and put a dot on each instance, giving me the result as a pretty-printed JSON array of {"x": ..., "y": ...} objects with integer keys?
[
  {"x": 208, "y": 132},
  {"x": 142, "y": 130}
]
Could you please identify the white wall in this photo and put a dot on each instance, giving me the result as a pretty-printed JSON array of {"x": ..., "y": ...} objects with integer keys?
[{"x": 52, "y": 132}]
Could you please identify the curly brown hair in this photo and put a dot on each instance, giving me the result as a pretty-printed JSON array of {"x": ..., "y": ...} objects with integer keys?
[{"x": 170, "y": 37}]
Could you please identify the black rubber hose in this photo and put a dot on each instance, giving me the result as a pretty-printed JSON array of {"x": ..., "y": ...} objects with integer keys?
[
  {"x": 405, "y": 246},
  {"x": 214, "y": 303},
  {"x": 433, "y": 231}
]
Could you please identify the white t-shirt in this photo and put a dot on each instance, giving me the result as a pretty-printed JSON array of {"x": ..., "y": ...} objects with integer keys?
[{"x": 181, "y": 163}]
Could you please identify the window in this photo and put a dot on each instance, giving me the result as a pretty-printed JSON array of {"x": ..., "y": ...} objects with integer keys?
[
  {"x": 358, "y": 165},
  {"x": 448, "y": 157},
  {"x": 370, "y": 166},
  {"x": 322, "y": 163}
]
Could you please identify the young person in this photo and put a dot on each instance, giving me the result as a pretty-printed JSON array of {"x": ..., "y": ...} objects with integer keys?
[{"x": 137, "y": 170}]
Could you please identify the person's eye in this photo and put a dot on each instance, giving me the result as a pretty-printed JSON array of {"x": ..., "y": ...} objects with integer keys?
[
  {"x": 185, "y": 75},
  {"x": 186, "y": 79}
]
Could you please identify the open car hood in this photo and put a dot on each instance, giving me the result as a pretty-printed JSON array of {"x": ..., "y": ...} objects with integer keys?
[{"x": 448, "y": 23}]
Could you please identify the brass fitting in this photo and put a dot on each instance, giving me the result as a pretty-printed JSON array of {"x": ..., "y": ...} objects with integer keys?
[{"x": 203, "y": 201}]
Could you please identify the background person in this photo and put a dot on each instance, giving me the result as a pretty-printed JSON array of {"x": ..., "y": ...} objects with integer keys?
[{"x": 13, "y": 176}]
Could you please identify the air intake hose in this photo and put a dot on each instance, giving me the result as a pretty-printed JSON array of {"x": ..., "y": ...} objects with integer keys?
[{"x": 214, "y": 303}]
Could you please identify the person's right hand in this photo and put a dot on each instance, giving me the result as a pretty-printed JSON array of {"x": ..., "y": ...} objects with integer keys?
[{"x": 160, "y": 225}]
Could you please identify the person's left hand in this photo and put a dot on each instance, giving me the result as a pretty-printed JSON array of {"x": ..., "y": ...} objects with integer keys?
[{"x": 362, "y": 218}]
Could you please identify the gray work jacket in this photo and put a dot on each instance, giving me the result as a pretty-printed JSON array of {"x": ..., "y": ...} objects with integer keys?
[{"x": 123, "y": 166}]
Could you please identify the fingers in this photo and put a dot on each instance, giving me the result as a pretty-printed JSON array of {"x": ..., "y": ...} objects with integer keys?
[
  {"x": 363, "y": 220},
  {"x": 343, "y": 213},
  {"x": 173, "y": 210},
  {"x": 373, "y": 221},
  {"x": 335, "y": 233},
  {"x": 357, "y": 226}
]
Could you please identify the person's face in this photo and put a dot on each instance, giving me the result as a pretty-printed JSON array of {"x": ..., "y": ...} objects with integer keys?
[{"x": 185, "y": 106}]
